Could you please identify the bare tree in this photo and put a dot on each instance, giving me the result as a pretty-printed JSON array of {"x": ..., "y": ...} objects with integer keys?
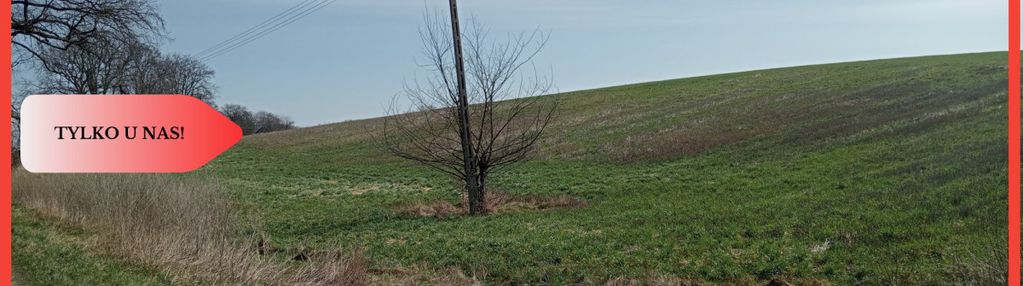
[
  {"x": 100, "y": 66},
  {"x": 62, "y": 24},
  {"x": 105, "y": 65},
  {"x": 259, "y": 122},
  {"x": 269, "y": 122},
  {"x": 240, "y": 116},
  {"x": 473, "y": 125},
  {"x": 171, "y": 74},
  {"x": 38, "y": 26}
]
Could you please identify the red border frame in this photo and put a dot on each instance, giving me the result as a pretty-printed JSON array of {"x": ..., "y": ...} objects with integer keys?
[
  {"x": 1014, "y": 147},
  {"x": 1014, "y": 144},
  {"x": 5, "y": 159}
]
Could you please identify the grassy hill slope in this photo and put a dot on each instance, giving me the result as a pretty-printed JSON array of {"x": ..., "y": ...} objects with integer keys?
[{"x": 877, "y": 171}]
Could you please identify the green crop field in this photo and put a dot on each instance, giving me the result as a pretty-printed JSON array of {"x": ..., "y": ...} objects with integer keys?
[{"x": 876, "y": 172}]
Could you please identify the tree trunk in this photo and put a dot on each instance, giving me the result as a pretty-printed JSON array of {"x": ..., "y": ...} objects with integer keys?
[
  {"x": 472, "y": 184},
  {"x": 477, "y": 197}
]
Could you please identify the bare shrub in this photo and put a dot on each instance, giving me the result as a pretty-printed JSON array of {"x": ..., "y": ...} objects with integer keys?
[{"x": 180, "y": 226}]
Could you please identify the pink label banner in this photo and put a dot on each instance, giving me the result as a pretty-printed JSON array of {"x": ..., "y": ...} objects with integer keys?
[{"x": 121, "y": 133}]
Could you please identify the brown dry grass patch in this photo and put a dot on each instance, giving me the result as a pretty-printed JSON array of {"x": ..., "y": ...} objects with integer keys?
[
  {"x": 496, "y": 203},
  {"x": 667, "y": 280},
  {"x": 422, "y": 274},
  {"x": 989, "y": 267},
  {"x": 180, "y": 227}
]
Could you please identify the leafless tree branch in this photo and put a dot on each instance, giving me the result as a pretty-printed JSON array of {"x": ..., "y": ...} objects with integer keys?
[{"x": 507, "y": 114}]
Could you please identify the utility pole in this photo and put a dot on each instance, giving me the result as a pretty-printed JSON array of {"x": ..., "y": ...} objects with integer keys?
[{"x": 472, "y": 185}]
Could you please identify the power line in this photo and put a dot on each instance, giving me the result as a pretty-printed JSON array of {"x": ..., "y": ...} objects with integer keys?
[
  {"x": 257, "y": 33},
  {"x": 253, "y": 28},
  {"x": 294, "y": 16}
]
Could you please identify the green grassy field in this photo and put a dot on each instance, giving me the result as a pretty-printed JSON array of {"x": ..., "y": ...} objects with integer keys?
[
  {"x": 875, "y": 172},
  {"x": 49, "y": 253}
]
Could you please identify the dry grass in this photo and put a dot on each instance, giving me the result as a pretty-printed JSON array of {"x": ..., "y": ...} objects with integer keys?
[
  {"x": 658, "y": 280},
  {"x": 181, "y": 228},
  {"x": 989, "y": 268},
  {"x": 422, "y": 274},
  {"x": 500, "y": 202},
  {"x": 496, "y": 202},
  {"x": 667, "y": 280},
  {"x": 439, "y": 209}
]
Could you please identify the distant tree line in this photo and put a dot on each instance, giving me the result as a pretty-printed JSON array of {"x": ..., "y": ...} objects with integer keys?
[{"x": 258, "y": 122}]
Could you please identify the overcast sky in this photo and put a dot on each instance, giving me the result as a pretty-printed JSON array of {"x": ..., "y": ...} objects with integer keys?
[{"x": 348, "y": 59}]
